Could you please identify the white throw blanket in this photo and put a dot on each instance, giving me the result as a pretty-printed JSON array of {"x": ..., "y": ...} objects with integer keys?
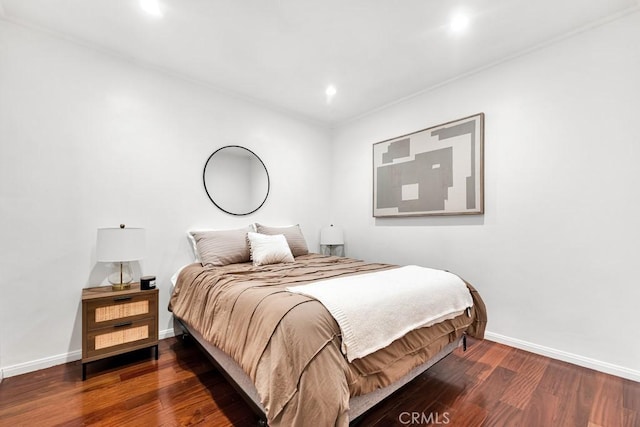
[{"x": 374, "y": 309}]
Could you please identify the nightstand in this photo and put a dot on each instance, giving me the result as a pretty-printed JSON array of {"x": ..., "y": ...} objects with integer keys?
[{"x": 116, "y": 322}]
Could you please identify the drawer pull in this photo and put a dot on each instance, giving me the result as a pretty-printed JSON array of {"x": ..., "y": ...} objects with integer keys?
[
  {"x": 119, "y": 325},
  {"x": 122, "y": 299}
]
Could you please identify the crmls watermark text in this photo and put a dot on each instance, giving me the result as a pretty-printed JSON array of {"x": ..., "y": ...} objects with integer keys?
[{"x": 415, "y": 418}]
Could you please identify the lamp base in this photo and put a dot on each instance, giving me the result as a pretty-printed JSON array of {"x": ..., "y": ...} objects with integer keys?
[
  {"x": 120, "y": 286},
  {"x": 122, "y": 277},
  {"x": 333, "y": 250}
]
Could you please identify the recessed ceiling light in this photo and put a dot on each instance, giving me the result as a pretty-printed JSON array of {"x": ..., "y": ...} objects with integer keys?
[
  {"x": 330, "y": 92},
  {"x": 459, "y": 22},
  {"x": 152, "y": 7}
]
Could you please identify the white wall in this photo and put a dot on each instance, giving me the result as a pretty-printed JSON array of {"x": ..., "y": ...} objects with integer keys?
[
  {"x": 556, "y": 252},
  {"x": 89, "y": 140}
]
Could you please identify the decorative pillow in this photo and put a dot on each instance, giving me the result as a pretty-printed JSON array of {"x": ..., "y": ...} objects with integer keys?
[
  {"x": 269, "y": 249},
  {"x": 292, "y": 233},
  {"x": 215, "y": 248}
]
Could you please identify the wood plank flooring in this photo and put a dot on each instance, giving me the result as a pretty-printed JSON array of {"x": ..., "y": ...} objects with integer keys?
[{"x": 489, "y": 385}]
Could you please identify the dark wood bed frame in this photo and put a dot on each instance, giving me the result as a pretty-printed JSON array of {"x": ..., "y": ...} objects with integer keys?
[{"x": 236, "y": 376}]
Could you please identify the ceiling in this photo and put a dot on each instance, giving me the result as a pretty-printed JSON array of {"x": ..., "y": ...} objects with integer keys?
[{"x": 284, "y": 53}]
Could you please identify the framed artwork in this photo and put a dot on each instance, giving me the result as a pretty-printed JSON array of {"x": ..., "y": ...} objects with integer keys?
[{"x": 435, "y": 171}]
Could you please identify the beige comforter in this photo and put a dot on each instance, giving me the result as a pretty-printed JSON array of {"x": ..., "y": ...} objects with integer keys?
[{"x": 290, "y": 345}]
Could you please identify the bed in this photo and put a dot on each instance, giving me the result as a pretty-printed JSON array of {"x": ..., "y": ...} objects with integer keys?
[{"x": 283, "y": 350}]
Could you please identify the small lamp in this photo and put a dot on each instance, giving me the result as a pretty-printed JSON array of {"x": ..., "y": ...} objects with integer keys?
[
  {"x": 332, "y": 241},
  {"x": 120, "y": 245}
]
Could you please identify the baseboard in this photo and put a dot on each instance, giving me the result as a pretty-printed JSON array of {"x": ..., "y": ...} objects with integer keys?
[
  {"x": 608, "y": 368},
  {"x": 167, "y": 333},
  {"x": 47, "y": 362}
]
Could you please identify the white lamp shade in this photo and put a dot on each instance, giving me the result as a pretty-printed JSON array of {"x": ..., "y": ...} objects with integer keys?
[
  {"x": 120, "y": 244},
  {"x": 331, "y": 236}
]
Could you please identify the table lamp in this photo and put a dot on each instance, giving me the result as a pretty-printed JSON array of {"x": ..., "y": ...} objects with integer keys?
[
  {"x": 120, "y": 245},
  {"x": 331, "y": 238}
]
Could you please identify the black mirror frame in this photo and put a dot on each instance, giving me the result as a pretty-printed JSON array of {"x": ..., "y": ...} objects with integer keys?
[{"x": 204, "y": 182}]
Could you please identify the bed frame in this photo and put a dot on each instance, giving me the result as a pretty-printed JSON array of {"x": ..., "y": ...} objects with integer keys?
[{"x": 236, "y": 376}]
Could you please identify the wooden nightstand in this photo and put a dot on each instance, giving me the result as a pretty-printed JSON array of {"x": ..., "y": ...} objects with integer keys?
[{"x": 116, "y": 322}]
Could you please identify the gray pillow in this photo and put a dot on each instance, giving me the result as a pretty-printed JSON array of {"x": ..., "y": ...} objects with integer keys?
[
  {"x": 292, "y": 233},
  {"x": 222, "y": 247}
]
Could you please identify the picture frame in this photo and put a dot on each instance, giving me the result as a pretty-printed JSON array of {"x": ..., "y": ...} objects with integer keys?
[{"x": 435, "y": 171}]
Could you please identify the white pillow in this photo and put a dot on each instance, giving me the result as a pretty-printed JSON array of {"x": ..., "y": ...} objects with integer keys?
[
  {"x": 269, "y": 249},
  {"x": 194, "y": 247}
]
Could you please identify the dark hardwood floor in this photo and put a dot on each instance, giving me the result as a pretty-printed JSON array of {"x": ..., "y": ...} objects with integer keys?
[{"x": 489, "y": 385}]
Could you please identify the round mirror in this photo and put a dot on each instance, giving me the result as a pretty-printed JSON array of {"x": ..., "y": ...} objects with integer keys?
[{"x": 236, "y": 180}]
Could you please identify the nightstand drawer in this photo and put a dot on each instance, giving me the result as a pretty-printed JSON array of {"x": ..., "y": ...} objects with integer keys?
[
  {"x": 125, "y": 335},
  {"x": 117, "y": 309}
]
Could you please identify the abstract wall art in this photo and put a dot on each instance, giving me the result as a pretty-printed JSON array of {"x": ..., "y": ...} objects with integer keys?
[{"x": 435, "y": 171}]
